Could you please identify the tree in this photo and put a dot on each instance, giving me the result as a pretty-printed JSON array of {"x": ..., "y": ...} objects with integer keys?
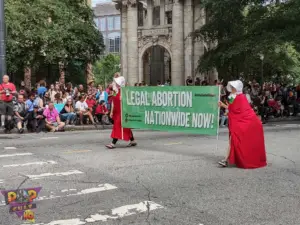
[
  {"x": 243, "y": 29},
  {"x": 49, "y": 32},
  {"x": 105, "y": 68}
]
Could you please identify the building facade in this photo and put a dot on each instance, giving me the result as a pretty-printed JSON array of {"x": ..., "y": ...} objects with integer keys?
[
  {"x": 156, "y": 42},
  {"x": 108, "y": 21}
]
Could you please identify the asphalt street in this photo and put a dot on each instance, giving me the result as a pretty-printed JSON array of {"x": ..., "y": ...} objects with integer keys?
[{"x": 168, "y": 179}]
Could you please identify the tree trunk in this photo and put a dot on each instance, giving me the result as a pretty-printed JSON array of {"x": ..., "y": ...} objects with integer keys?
[
  {"x": 61, "y": 73},
  {"x": 27, "y": 77},
  {"x": 89, "y": 73}
]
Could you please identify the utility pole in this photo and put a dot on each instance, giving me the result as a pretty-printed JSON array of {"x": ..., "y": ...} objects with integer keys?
[{"x": 2, "y": 41}]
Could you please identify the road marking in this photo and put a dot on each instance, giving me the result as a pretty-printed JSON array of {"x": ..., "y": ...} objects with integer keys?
[
  {"x": 116, "y": 213},
  {"x": 31, "y": 164},
  {"x": 43, "y": 175},
  {"x": 100, "y": 188},
  {"x": 174, "y": 143},
  {"x": 49, "y": 138},
  {"x": 10, "y": 148},
  {"x": 17, "y": 154},
  {"x": 77, "y": 151},
  {"x": 68, "y": 190},
  {"x": 1, "y": 181}
]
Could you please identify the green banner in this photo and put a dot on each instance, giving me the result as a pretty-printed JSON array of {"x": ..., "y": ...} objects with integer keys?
[{"x": 179, "y": 109}]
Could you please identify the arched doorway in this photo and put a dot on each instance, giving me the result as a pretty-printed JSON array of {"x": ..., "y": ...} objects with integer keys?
[{"x": 156, "y": 65}]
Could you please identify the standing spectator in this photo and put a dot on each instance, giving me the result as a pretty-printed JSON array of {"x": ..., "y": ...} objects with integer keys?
[
  {"x": 42, "y": 89},
  {"x": 7, "y": 91},
  {"x": 91, "y": 88},
  {"x": 52, "y": 119},
  {"x": 52, "y": 92},
  {"x": 83, "y": 110},
  {"x": 20, "y": 113},
  {"x": 101, "y": 94},
  {"x": 68, "y": 113}
]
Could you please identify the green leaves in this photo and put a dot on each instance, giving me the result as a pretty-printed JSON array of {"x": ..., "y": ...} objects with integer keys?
[
  {"x": 244, "y": 28},
  {"x": 50, "y": 31},
  {"x": 105, "y": 68}
]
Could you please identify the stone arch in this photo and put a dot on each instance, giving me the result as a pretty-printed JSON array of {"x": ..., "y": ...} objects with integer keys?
[
  {"x": 143, "y": 50},
  {"x": 143, "y": 53}
]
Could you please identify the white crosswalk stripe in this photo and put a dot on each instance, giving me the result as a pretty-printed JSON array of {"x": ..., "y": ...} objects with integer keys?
[
  {"x": 10, "y": 148},
  {"x": 117, "y": 213},
  {"x": 14, "y": 163},
  {"x": 30, "y": 164},
  {"x": 16, "y": 154}
]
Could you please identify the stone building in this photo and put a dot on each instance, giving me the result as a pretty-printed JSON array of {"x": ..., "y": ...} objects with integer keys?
[
  {"x": 108, "y": 21},
  {"x": 156, "y": 43}
]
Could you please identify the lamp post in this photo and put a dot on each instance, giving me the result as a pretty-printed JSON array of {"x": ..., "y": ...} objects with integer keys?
[
  {"x": 262, "y": 57},
  {"x": 2, "y": 41}
]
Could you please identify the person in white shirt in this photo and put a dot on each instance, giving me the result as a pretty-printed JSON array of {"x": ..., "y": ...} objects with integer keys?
[{"x": 82, "y": 110}]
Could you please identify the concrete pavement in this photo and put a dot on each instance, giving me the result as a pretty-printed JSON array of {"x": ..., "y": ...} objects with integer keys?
[{"x": 168, "y": 179}]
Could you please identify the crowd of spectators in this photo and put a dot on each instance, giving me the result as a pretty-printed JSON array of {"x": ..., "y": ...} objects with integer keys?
[
  {"x": 51, "y": 108},
  {"x": 269, "y": 100}
]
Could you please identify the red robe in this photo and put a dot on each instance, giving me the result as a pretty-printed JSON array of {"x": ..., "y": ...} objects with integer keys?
[
  {"x": 247, "y": 144},
  {"x": 118, "y": 131}
]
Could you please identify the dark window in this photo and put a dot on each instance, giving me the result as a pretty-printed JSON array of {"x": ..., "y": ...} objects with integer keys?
[
  {"x": 140, "y": 15},
  {"x": 169, "y": 17},
  {"x": 156, "y": 15}
]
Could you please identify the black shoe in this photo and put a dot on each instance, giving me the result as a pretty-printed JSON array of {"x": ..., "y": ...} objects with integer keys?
[{"x": 21, "y": 131}]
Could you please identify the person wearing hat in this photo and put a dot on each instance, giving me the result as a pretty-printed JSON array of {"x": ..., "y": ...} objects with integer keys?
[
  {"x": 118, "y": 132},
  {"x": 246, "y": 136},
  {"x": 92, "y": 90}
]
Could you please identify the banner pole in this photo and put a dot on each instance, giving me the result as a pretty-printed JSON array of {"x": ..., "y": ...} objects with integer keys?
[{"x": 218, "y": 130}]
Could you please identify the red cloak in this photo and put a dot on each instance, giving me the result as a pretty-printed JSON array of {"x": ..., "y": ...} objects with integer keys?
[
  {"x": 118, "y": 131},
  {"x": 247, "y": 144}
]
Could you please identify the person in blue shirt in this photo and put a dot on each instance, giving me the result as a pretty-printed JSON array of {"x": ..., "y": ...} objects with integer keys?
[
  {"x": 101, "y": 94},
  {"x": 42, "y": 89}
]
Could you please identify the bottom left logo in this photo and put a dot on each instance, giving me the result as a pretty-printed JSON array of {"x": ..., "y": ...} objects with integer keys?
[{"x": 21, "y": 202}]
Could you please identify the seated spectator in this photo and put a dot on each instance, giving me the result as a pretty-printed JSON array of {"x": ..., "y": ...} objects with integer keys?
[
  {"x": 68, "y": 113},
  {"x": 20, "y": 113},
  {"x": 52, "y": 119},
  {"x": 102, "y": 113},
  {"x": 36, "y": 121},
  {"x": 58, "y": 99},
  {"x": 30, "y": 103},
  {"x": 224, "y": 118},
  {"x": 91, "y": 102},
  {"x": 82, "y": 110}
]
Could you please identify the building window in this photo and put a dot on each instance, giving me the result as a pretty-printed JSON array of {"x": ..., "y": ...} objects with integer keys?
[
  {"x": 140, "y": 14},
  {"x": 114, "y": 42},
  {"x": 102, "y": 24},
  {"x": 117, "y": 23},
  {"x": 169, "y": 17},
  {"x": 117, "y": 44},
  {"x": 156, "y": 12},
  {"x": 110, "y": 23}
]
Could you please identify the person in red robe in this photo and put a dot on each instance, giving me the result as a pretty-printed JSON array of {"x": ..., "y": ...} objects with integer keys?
[
  {"x": 246, "y": 136},
  {"x": 118, "y": 132}
]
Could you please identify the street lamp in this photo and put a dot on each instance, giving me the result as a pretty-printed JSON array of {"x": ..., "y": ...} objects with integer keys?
[
  {"x": 262, "y": 57},
  {"x": 2, "y": 40}
]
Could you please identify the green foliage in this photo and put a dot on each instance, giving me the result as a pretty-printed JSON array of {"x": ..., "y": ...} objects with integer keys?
[
  {"x": 50, "y": 31},
  {"x": 243, "y": 29},
  {"x": 105, "y": 68}
]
